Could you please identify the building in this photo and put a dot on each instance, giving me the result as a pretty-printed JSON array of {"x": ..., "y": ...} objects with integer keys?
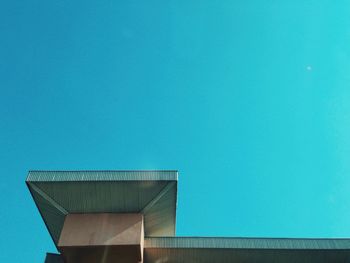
[{"x": 129, "y": 217}]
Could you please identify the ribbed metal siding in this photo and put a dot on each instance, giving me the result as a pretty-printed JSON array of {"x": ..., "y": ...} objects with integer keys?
[
  {"x": 224, "y": 255},
  {"x": 246, "y": 243},
  {"x": 66, "y": 176}
]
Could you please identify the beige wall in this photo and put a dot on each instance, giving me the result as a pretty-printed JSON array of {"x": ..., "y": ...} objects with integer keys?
[{"x": 102, "y": 238}]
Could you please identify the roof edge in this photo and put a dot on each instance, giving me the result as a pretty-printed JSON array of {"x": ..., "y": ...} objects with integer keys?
[
  {"x": 246, "y": 243},
  {"x": 101, "y": 175}
]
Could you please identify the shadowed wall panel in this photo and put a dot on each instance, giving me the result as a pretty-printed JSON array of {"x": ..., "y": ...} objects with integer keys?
[{"x": 102, "y": 238}]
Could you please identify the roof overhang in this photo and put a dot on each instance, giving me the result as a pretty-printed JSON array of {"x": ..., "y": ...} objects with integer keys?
[{"x": 152, "y": 193}]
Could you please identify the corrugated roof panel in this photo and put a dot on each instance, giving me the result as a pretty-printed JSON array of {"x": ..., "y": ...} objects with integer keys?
[
  {"x": 222, "y": 255},
  {"x": 250, "y": 250},
  {"x": 246, "y": 243},
  {"x": 64, "y": 176}
]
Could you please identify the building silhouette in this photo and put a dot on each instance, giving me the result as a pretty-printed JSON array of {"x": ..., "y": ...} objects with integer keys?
[{"x": 129, "y": 217}]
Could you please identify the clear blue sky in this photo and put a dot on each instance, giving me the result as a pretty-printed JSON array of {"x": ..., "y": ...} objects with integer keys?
[{"x": 249, "y": 100}]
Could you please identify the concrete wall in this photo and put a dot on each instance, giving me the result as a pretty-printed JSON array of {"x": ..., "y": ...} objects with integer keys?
[{"x": 102, "y": 237}]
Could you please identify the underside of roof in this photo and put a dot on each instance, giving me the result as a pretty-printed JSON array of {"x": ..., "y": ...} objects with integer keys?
[{"x": 152, "y": 193}]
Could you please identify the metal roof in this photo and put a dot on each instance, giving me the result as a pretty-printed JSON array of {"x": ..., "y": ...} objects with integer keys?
[
  {"x": 249, "y": 250},
  {"x": 105, "y": 175},
  {"x": 153, "y": 193},
  {"x": 246, "y": 243}
]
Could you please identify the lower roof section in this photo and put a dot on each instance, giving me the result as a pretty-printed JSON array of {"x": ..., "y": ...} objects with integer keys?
[
  {"x": 246, "y": 243},
  {"x": 250, "y": 250}
]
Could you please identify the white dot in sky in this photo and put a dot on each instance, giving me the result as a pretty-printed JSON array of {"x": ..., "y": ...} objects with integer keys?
[{"x": 309, "y": 68}]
